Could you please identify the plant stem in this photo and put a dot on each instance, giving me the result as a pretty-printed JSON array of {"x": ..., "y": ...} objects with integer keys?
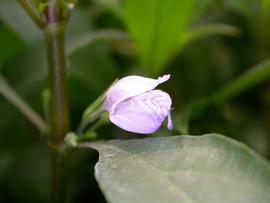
[
  {"x": 58, "y": 177},
  {"x": 57, "y": 78},
  {"x": 59, "y": 110},
  {"x": 53, "y": 27},
  {"x": 28, "y": 8}
]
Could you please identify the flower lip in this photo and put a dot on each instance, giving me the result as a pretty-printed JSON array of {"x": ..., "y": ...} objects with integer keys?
[
  {"x": 143, "y": 113},
  {"x": 130, "y": 86}
]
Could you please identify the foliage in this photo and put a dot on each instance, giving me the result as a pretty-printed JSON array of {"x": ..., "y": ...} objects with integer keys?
[
  {"x": 181, "y": 169},
  {"x": 217, "y": 52}
]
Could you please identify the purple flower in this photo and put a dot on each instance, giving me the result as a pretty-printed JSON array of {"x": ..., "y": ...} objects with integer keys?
[{"x": 135, "y": 106}]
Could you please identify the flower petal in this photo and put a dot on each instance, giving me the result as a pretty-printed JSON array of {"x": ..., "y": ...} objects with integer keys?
[
  {"x": 129, "y": 87},
  {"x": 170, "y": 123},
  {"x": 143, "y": 113}
]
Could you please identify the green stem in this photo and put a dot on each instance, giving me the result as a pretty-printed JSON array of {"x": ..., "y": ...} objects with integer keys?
[
  {"x": 94, "y": 116},
  {"x": 28, "y": 8},
  {"x": 59, "y": 110},
  {"x": 58, "y": 177},
  {"x": 54, "y": 35}
]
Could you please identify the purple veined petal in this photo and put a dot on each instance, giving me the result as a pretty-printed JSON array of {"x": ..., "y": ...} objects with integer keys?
[
  {"x": 129, "y": 87},
  {"x": 143, "y": 113}
]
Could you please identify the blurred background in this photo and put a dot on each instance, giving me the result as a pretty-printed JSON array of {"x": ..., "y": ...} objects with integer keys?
[{"x": 217, "y": 52}]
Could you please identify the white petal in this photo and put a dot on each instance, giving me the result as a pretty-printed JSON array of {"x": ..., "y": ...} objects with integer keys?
[
  {"x": 143, "y": 113},
  {"x": 129, "y": 87}
]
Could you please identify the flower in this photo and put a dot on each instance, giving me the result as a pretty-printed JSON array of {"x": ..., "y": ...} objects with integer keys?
[{"x": 135, "y": 106}]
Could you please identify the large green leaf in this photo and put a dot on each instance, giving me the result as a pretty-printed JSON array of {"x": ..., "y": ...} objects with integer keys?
[
  {"x": 156, "y": 26},
  {"x": 187, "y": 169}
]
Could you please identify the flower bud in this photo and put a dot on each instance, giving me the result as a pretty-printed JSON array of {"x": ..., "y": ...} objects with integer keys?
[{"x": 135, "y": 106}]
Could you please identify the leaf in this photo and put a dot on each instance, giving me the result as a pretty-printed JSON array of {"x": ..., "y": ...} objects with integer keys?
[
  {"x": 251, "y": 78},
  {"x": 156, "y": 27},
  {"x": 206, "y": 31},
  {"x": 187, "y": 169}
]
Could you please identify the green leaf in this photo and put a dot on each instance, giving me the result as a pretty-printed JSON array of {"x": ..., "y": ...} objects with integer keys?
[
  {"x": 249, "y": 79},
  {"x": 206, "y": 31},
  {"x": 156, "y": 26},
  {"x": 187, "y": 169}
]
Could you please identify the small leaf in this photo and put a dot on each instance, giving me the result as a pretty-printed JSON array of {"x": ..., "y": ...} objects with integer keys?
[
  {"x": 156, "y": 26},
  {"x": 187, "y": 169}
]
